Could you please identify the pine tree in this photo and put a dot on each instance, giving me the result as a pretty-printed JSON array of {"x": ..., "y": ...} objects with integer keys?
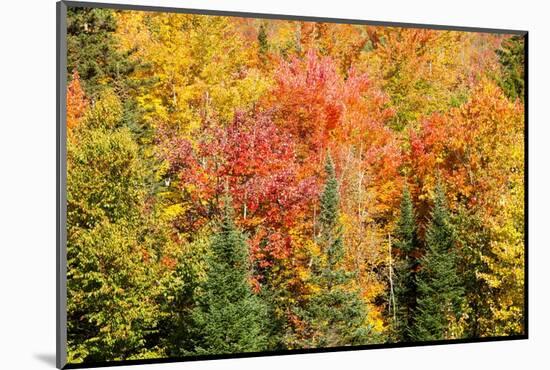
[
  {"x": 405, "y": 282},
  {"x": 330, "y": 228},
  {"x": 511, "y": 56},
  {"x": 93, "y": 50},
  {"x": 263, "y": 45},
  {"x": 336, "y": 314},
  {"x": 229, "y": 318},
  {"x": 440, "y": 293}
]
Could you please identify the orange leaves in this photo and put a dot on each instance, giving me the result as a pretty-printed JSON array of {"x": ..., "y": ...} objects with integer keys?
[
  {"x": 318, "y": 106},
  {"x": 422, "y": 71},
  {"x": 343, "y": 43},
  {"x": 76, "y": 102},
  {"x": 306, "y": 99},
  {"x": 473, "y": 147}
]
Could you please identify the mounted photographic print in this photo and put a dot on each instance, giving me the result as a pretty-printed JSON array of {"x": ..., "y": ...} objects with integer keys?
[{"x": 235, "y": 184}]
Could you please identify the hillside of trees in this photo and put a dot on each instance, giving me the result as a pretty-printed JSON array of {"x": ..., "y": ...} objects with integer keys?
[{"x": 243, "y": 185}]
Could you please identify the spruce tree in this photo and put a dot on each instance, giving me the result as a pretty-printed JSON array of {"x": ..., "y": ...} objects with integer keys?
[
  {"x": 511, "y": 56},
  {"x": 330, "y": 228},
  {"x": 94, "y": 51},
  {"x": 440, "y": 292},
  {"x": 228, "y": 317},
  {"x": 336, "y": 314},
  {"x": 405, "y": 282},
  {"x": 263, "y": 45}
]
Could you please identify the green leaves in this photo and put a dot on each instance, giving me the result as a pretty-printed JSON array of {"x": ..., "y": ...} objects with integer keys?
[
  {"x": 104, "y": 178},
  {"x": 111, "y": 293},
  {"x": 512, "y": 59},
  {"x": 106, "y": 113}
]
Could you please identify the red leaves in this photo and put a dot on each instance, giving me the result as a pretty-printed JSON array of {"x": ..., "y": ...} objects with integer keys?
[
  {"x": 266, "y": 247},
  {"x": 308, "y": 99},
  {"x": 321, "y": 109},
  {"x": 256, "y": 162}
]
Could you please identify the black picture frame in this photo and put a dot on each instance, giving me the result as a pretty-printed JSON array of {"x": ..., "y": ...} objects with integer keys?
[{"x": 61, "y": 181}]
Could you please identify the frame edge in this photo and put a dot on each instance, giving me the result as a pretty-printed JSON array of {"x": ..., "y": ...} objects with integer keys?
[
  {"x": 61, "y": 174},
  {"x": 287, "y": 17},
  {"x": 61, "y": 178}
]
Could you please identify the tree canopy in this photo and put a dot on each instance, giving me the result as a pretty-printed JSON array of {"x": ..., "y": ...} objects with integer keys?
[{"x": 243, "y": 185}]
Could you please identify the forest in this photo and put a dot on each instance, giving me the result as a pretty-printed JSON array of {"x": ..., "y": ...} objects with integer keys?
[{"x": 247, "y": 185}]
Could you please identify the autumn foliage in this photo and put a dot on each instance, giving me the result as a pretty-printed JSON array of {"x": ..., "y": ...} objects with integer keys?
[{"x": 320, "y": 180}]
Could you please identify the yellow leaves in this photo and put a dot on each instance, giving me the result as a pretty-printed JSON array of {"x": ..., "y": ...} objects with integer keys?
[
  {"x": 173, "y": 211},
  {"x": 131, "y": 25},
  {"x": 505, "y": 265},
  {"x": 241, "y": 93},
  {"x": 375, "y": 319},
  {"x": 491, "y": 280},
  {"x": 458, "y": 325},
  {"x": 106, "y": 113},
  {"x": 199, "y": 65},
  {"x": 302, "y": 273}
]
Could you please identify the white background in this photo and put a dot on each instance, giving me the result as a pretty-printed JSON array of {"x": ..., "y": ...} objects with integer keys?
[{"x": 27, "y": 183}]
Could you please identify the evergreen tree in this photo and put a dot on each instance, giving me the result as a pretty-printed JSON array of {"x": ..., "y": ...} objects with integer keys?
[
  {"x": 228, "y": 318},
  {"x": 405, "y": 282},
  {"x": 263, "y": 45},
  {"x": 336, "y": 314},
  {"x": 176, "y": 329},
  {"x": 93, "y": 50},
  {"x": 512, "y": 59},
  {"x": 440, "y": 293},
  {"x": 330, "y": 228},
  {"x": 473, "y": 236}
]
